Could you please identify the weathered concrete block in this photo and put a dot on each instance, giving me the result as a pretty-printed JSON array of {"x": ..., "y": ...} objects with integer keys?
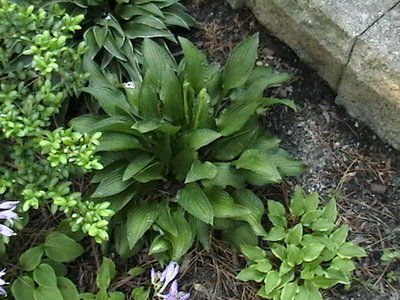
[
  {"x": 321, "y": 32},
  {"x": 354, "y": 45},
  {"x": 370, "y": 87}
]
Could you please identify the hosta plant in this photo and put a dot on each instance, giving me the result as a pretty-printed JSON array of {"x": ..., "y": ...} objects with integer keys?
[
  {"x": 306, "y": 251},
  {"x": 181, "y": 147},
  {"x": 114, "y": 30}
]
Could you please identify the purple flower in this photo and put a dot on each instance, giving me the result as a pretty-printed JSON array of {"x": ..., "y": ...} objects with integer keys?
[
  {"x": 8, "y": 205},
  {"x": 169, "y": 273},
  {"x": 9, "y": 215},
  {"x": 6, "y": 231},
  {"x": 2, "y": 282},
  {"x": 174, "y": 293}
]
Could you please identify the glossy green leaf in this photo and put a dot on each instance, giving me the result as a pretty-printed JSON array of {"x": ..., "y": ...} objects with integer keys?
[
  {"x": 311, "y": 201},
  {"x": 44, "y": 276},
  {"x": 350, "y": 250},
  {"x": 289, "y": 291},
  {"x": 294, "y": 255},
  {"x": 323, "y": 282},
  {"x": 322, "y": 225},
  {"x": 43, "y": 292},
  {"x": 23, "y": 288},
  {"x": 31, "y": 258},
  {"x": 294, "y": 235},
  {"x": 230, "y": 147},
  {"x": 249, "y": 200},
  {"x": 239, "y": 234},
  {"x": 224, "y": 205},
  {"x": 184, "y": 240},
  {"x": 105, "y": 273},
  {"x": 279, "y": 251},
  {"x": 201, "y": 170},
  {"x": 226, "y": 176},
  {"x": 338, "y": 274},
  {"x": 182, "y": 162},
  {"x": 139, "y": 219},
  {"x": 330, "y": 211},
  {"x": 112, "y": 184},
  {"x": 199, "y": 138},
  {"x": 159, "y": 245},
  {"x": 312, "y": 251},
  {"x": 276, "y": 234},
  {"x": 116, "y": 141},
  {"x": 152, "y": 172},
  {"x": 339, "y": 236},
  {"x": 263, "y": 265},
  {"x": 250, "y": 274},
  {"x": 276, "y": 208},
  {"x": 297, "y": 202},
  {"x": 109, "y": 98},
  {"x": 240, "y": 63},
  {"x": 56, "y": 244},
  {"x": 136, "y": 271},
  {"x": 194, "y": 200},
  {"x": 171, "y": 97},
  {"x": 271, "y": 281},
  {"x": 310, "y": 217},
  {"x": 253, "y": 252},
  {"x": 258, "y": 163},
  {"x": 67, "y": 288},
  {"x": 136, "y": 165},
  {"x": 165, "y": 221},
  {"x": 195, "y": 64},
  {"x": 233, "y": 118}
]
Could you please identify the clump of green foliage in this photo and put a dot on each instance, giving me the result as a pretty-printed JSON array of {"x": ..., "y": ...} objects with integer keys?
[
  {"x": 306, "y": 251},
  {"x": 114, "y": 30},
  {"x": 39, "y": 69},
  {"x": 181, "y": 146}
]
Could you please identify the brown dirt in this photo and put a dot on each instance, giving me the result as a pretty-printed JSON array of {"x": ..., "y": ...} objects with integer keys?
[{"x": 346, "y": 161}]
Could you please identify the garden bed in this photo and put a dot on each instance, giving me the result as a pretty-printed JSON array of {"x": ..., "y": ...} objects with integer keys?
[{"x": 345, "y": 160}]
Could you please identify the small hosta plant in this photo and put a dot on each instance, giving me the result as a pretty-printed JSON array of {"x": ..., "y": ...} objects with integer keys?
[
  {"x": 306, "y": 251},
  {"x": 181, "y": 147},
  {"x": 114, "y": 30}
]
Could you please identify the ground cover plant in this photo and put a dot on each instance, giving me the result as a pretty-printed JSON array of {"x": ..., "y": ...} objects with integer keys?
[
  {"x": 306, "y": 251},
  {"x": 175, "y": 146}
]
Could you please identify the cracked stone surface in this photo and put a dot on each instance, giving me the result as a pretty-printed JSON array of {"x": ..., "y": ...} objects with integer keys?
[
  {"x": 370, "y": 86},
  {"x": 353, "y": 45}
]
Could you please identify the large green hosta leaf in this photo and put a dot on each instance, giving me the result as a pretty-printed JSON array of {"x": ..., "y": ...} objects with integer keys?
[{"x": 193, "y": 199}]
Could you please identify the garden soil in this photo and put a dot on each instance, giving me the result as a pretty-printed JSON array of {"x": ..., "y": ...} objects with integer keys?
[{"x": 345, "y": 159}]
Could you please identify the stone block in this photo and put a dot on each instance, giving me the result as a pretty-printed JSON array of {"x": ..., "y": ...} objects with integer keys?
[
  {"x": 370, "y": 87},
  {"x": 321, "y": 32}
]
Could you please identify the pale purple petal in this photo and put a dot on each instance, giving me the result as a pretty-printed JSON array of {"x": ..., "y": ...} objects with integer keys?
[
  {"x": 170, "y": 273},
  {"x": 3, "y": 292},
  {"x": 173, "y": 289},
  {"x": 8, "y": 204},
  {"x": 4, "y": 230},
  {"x": 153, "y": 276},
  {"x": 8, "y": 215}
]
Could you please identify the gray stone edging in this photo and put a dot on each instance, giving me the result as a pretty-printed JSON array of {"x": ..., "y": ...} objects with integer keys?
[{"x": 354, "y": 45}]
